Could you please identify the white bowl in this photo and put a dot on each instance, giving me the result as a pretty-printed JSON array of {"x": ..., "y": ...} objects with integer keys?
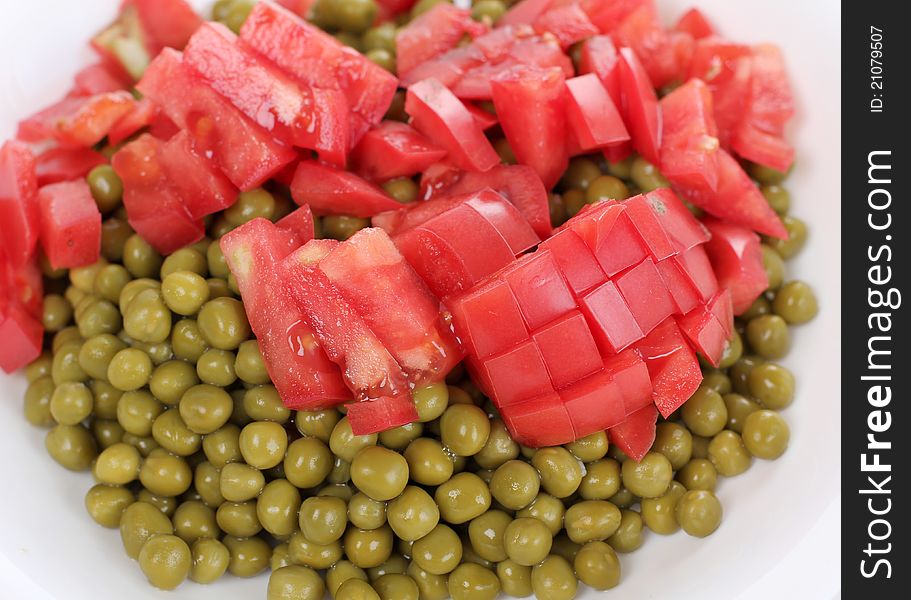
[{"x": 780, "y": 535}]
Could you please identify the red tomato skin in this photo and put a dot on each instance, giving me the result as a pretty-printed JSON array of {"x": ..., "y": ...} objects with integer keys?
[
  {"x": 300, "y": 223},
  {"x": 636, "y": 434},
  {"x": 298, "y": 366},
  {"x": 672, "y": 366},
  {"x": 433, "y": 33},
  {"x": 22, "y": 335},
  {"x": 482, "y": 249},
  {"x": 599, "y": 56},
  {"x": 679, "y": 223},
  {"x": 569, "y": 24},
  {"x": 332, "y": 191},
  {"x": 579, "y": 266},
  {"x": 518, "y": 374},
  {"x": 737, "y": 200},
  {"x": 70, "y": 224},
  {"x": 762, "y": 147},
  {"x": 609, "y": 233},
  {"x": 539, "y": 422},
  {"x": 708, "y": 327},
  {"x": 591, "y": 113},
  {"x": 539, "y": 288},
  {"x": 367, "y": 367},
  {"x": 266, "y": 95},
  {"x": 677, "y": 281},
  {"x": 698, "y": 269},
  {"x": 19, "y": 211},
  {"x": 368, "y": 271},
  {"x": 694, "y": 23},
  {"x": 246, "y": 154},
  {"x": 530, "y": 103},
  {"x": 97, "y": 79},
  {"x": 608, "y": 15},
  {"x": 594, "y": 403},
  {"x": 379, "y": 414},
  {"x": 725, "y": 68},
  {"x": 64, "y": 164},
  {"x": 689, "y": 143},
  {"x": 736, "y": 256},
  {"x": 505, "y": 218},
  {"x": 42, "y": 125},
  {"x": 203, "y": 188},
  {"x": 166, "y": 23},
  {"x": 610, "y": 318},
  {"x": 393, "y": 149},
  {"x": 488, "y": 319},
  {"x": 568, "y": 336},
  {"x": 315, "y": 58},
  {"x": 442, "y": 117},
  {"x": 641, "y": 112}
]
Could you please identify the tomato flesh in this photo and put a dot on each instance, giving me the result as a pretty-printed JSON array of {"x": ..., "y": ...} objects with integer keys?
[
  {"x": 695, "y": 23},
  {"x": 203, "y": 188},
  {"x": 672, "y": 366},
  {"x": 689, "y": 143},
  {"x": 640, "y": 106},
  {"x": 636, "y": 434},
  {"x": 64, "y": 164},
  {"x": 299, "y": 222},
  {"x": 736, "y": 257},
  {"x": 432, "y": 33},
  {"x": 569, "y": 24},
  {"x": 709, "y": 327},
  {"x": 70, "y": 224},
  {"x": 391, "y": 150},
  {"x": 332, "y": 191},
  {"x": 18, "y": 203},
  {"x": 595, "y": 121},
  {"x": 22, "y": 336},
  {"x": 97, "y": 79}
]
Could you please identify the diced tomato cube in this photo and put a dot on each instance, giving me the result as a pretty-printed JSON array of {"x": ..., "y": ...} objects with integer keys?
[
  {"x": 203, "y": 188},
  {"x": 379, "y": 414},
  {"x": 368, "y": 271},
  {"x": 539, "y": 422},
  {"x": 763, "y": 148},
  {"x": 442, "y": 117},
  {"x": 736, "y": 257},
  {"x": 677, "y": 282},
  {"x": 18, "y": 203},
  {"x": 432, "y": 33},
  {"x": 594, "y": 403},
  {"x": 299, "y": 222},
  {"x": 92, "y": 121},
  {"x": 393, "y": 149},
  {"x": 166, "y": 23},
  {"x": 332, "y": 191},
  {"x": 695, "y": 265},
  {"x": 518, "y": 374},
  {"x": 705, "y": 331},
  {"x": 630, "y": 372},
  {"x": 70, "y": 224},
  {"x": 488, "y": 319},
  {"x": 267, "y": 96},
  {"x": 579, "y": 266},
  {"x": 737, "y": 200},
  {"x": 610, "y": 318},
  {"x": 694, "y": 23},
  {"x": 65, "y": 164},
  {"x": 568, "y": 348},
  {"x": 482, "y": 249},
  {"x": 530, "y": 103},
  {"x": 569, "y": 24},
  {"x": 636, "y": 434},
  {"x": 610, "y": 234},
  {"x": 243, "y": 151},
  {"x": 438, "y": 263},
  {"x": 505, "y": 218},
  {"x": 315, "y": 58},
  {"x": 672, "y": 367},
  {"x": 539, "y": 289},
  {"x": 22, "y": 335},
  {"x": 599, "y": 56},
  {"x": 646, "y": 295},
  {"x": 641, "y": 112},
  {"x": 591, "y": 113},
  {"x": 367, "y": 367},
  {"x": 299, "y": 368},
  {"x": 679, "y": 223},
  {"x": 689, "y": 142},
  {"x": 642, "y": 212}
]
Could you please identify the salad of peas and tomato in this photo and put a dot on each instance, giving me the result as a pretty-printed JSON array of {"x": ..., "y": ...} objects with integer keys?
[{"x": 405, "y": 299}]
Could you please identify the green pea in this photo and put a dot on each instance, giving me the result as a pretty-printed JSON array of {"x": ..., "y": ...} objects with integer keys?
[
  {"x": 380, "y": 37},
  {"x": 658, "y": 514},
  {"x": 106, "y": 187},
  {"x": 606, "y": 187},
  {"x": 797, "y": 238},
  {"x": 628, "y": 537},
  {"x": 106, "y": 503},
  {"x": 698, "y": 474},
  {"x": 646, "y": 175},
  {"x": 796, "y": 303},
  {"x": 342, "y": 227},
  {"x": 223, "y": 323},
  {"x": 777, "y": 197},
  {"x": 705, "y": 414},
  {"x": 553, "y": 579},
  {"x": 597, "y": 566},
  {"x": 728, "y": 453},
  {"x": 210, "y": 560},
  {"x": 140, "y": 258},
  {"x": 37, "y": 406},
  {"x": 766, "y": 434},
  {"x": 699, "y": 512}
]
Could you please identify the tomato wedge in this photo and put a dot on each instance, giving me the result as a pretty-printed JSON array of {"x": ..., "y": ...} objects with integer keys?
[
  {"x": 201, "y": 185},
  {"x": 710, "y": 326},
  {"x": 636, "y": 434},
  {"x": 736, "y": 256},
  {"x": 64, "y": 164},
  {"x": 300, "y": 223},
  {"x": 665, "y": 55},
  {"x": 592, "y": 116},
  {"x": 689, "y": 142},
  {"x": 432, "y": 33},
  {"x": 77, "y": 121},
  {"x": 331, "y": 191},
  {"x": 640, "y": 106},
  {"x": 70, "y": 224},
  {"x": 442, "y": 117},
  {"x": 672, "y": 366},
  {"x": 166, "y": 23},
  {"x": 531, "y": 105},
  {"x": 23, "y": 285},
  {"x": 599, "y": 56},
  {"x": 393, "y": 149},
  {"x": 143, "y": 114},
  {"x": 18, "y": 203}
]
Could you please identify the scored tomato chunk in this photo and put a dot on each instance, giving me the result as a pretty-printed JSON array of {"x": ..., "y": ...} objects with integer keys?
[
  {"x": 599, "y": 57},
  {"x": 640, "y": 106},
  {"x": 594, "y": 403},
  {"x": 689, "y": 142},
  {"x": 609, "y": 233},
  {"x": 650, "y": 226},
  {"x": 672, "y": 365},
  {"x": 579, "y": 266},
  {"x": 542, "y": 421},
  {"x": 646, "y": 295},
  {"x": 530, "y": 103},
  {"x": 665, "y": 55},
  {"x": 636, "y": 434},
  {"x": 22, "y": 335},
  {"x": 488, "y": 319},
  {"x": 631, "y": 373},
  {"x": 70, "y": 224},
  {"x": 393, "y": 149},
  {"x": 245, "y": 153},
  {"x": 591, "y": 113},
  {"x": 736, "y": 257},
  {"x": 203, "y": 188},
  {"x": 332, "y": 191},
  {"x": 368, "y": 270},
  {"x": 300, "y": 370},
  {"x": 568, "y": 336},
  {"x": 296, "y": 115},
  {"x": 432, "y": 33},
  {"x": 525, "y": 11},
  {"x": 517, "y": 374},
  {"x": 539, "y": 288},
  {"x": 610, "y": 318},
  {"x": 19, "y": 211},
  {"x": 442, "y": 117}
]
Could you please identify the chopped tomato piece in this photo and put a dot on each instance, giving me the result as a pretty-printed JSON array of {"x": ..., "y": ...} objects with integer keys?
[
  {"x": 485, "y": 119},
  {"x": 599, "y": 56},
  {"x": 64, "y": 164},
  {"x": 300, "y": 370},
  {"x": 683, "y": 229},
  {"x": 641, "y": 112},
  {"x": 762, "y": 147},
  {"x": 317, "y": 59},
  {"x": 393, "y": 149},
  {"x": 530, "y": 103},
  {"x": 488, "y": 319},
  {"x": 97, "y": 79},
  {"x": 737, "y": 200},
  {"x": 379, "y": 414},
  {"x": 694, "y": 23},
  {"x": 569, "y": 24},
  {"x": 736, "y": 257},
  {"x": 568, "y": 336},
  {"x": 122, "y": 44},
  {"x": 22, "y": 335},
  {"x": 166, "y": 23},
  {"x": 199, "y": 183},
  {"x": 525, "y": 11},
  {"x": 608, "y": 15},
  {"x": 592, "y": 116},
  {"x": 636, "y": 434},
  {"x": 70, "y": 224},
  {"x": 388, "y": 8},
  {"x": 432, "y": 33},
  {"x": 143, "y": 114},
  {"x": 368, "y": 270},
  {"x": 517, "y": 374},
  {"x": 331, "y": 191},
  {"x": 594, "y": 403},
  {"x": 689, "y": 142},
  {"x": 725, "y": 67},
  {"x": 610, "y": 234},
  {"x": 610, "y": 318},
  {"x": 296, "y": 115},
  {"x": 672, "y": 366},
  {"x": 650, "y": 227},
  {"x": 442, "y": 117},
  {"x": 579, "y": 266},
  {"x": 539, "y": 288},
  {"x": 542, "y": 421},
  {"x": 18, "y": 203},
  {"x": 664, "y": 55},
  {"x": 646, "y": 295},
  {"x": 244, "y": 152},
  {"x": 631, "y": 373},
  {"x": 23, "y": 285},
  {"x": 698, "y": 270},
  {"x": 299, "y": 222},
  {"x": 91, "y": 122},
  {"x": 301, "y": 7},
  {"x": 708, "y": 327}
]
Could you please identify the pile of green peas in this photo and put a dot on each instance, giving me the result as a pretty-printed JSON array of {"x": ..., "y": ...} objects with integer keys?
[{"x": 153, "y": 382}]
